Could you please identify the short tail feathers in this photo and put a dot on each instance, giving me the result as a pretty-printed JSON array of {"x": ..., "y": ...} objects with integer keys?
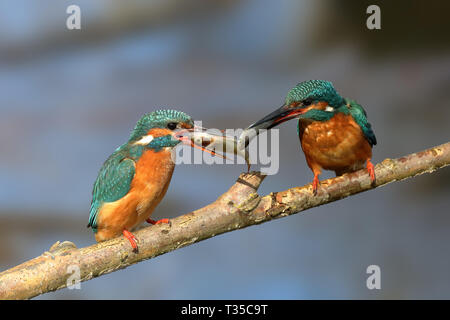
[
  {"x": 370, "y": 135},
  {"x": 93, "y": 216}
]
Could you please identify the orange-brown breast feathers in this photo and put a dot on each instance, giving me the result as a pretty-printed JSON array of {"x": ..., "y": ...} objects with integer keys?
[
  {"x": 337, "y": 144},
  {"x": 153, "y": 174}
]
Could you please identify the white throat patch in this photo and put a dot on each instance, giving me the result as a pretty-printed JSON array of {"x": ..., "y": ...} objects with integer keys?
[
  {"x": 329, "y": 109},
  {"x": 145, "y": 140}
]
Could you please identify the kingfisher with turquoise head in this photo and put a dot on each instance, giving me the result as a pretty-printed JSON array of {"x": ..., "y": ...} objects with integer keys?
[
  {"x": 334, "y": 132},
  {"x": 135, "y": 178}
]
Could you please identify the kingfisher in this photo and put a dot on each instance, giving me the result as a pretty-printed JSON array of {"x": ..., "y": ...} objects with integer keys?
[
  {"x": 135, "y": 177},
  {"x": 334, "y": 132}
]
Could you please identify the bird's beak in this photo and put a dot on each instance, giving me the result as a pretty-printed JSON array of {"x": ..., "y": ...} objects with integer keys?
[{"x": 282, "y": 114}]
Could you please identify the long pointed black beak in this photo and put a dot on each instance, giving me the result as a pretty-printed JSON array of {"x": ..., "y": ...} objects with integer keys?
[
  {"x": 272, "y": 119},
  {"x": 282, "y": 114}
]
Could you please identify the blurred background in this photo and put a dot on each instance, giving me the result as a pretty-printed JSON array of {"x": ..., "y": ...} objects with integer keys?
[{"x": 68, "y": 98}]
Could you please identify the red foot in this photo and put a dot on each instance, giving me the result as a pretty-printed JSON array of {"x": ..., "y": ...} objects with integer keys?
[
  {"x": 371, "y": 170},
  {"x": 127, "y": 234},
  {"x": 315, "y": 184},
  {"x": 157, "y": 222}
]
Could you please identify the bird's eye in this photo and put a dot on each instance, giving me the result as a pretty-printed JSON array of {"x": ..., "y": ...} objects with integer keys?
[
  {"x": 306, "y": 102},
  {"x": 171, "y": 125}
]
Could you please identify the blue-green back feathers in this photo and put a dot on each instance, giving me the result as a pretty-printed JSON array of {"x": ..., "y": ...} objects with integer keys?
[{"x": 113, "y": 182}]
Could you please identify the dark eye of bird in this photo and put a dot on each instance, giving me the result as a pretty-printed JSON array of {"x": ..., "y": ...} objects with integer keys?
[
  {"x": 171, "y": 125},
  {"x": 306, "y": 102}
]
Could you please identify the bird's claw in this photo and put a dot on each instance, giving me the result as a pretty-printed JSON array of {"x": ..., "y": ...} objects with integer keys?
[
  {"x": 127, "y": 234},
  {"x": 371, "y": 170},
  {"x": 154, "y": 222},
  {"x": 315, "y": 184}
]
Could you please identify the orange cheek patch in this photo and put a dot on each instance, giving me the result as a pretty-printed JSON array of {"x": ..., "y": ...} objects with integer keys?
[
  {"x": 158, "y": 132},
  {"x": 185, "y": 125},
  {"x": 321, "y": 105}
]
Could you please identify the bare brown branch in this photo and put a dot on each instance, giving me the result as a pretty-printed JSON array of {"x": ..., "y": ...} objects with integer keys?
[{"x": 237, "y": 208}]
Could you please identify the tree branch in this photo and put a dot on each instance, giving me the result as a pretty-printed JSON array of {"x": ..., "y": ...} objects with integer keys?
[{"x": 237, "y": 208}]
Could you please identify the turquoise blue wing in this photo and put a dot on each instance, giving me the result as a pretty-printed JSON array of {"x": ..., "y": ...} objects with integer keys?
[
  {"x": 359, "y": 114},
  {"x": 113, "y": 182}
]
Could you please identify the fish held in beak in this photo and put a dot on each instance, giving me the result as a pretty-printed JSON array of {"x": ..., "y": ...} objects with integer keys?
[{"x": 209, "y": 142}]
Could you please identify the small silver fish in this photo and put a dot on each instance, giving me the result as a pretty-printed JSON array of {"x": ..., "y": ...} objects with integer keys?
[
  {"x": 211, "y": 143},
  {"x": 246, "y": 136}
]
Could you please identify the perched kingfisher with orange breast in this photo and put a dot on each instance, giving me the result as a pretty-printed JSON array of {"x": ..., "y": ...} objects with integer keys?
[
  {"x": 135, "y": 178},
  {"x": 334, "y": 132}
]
